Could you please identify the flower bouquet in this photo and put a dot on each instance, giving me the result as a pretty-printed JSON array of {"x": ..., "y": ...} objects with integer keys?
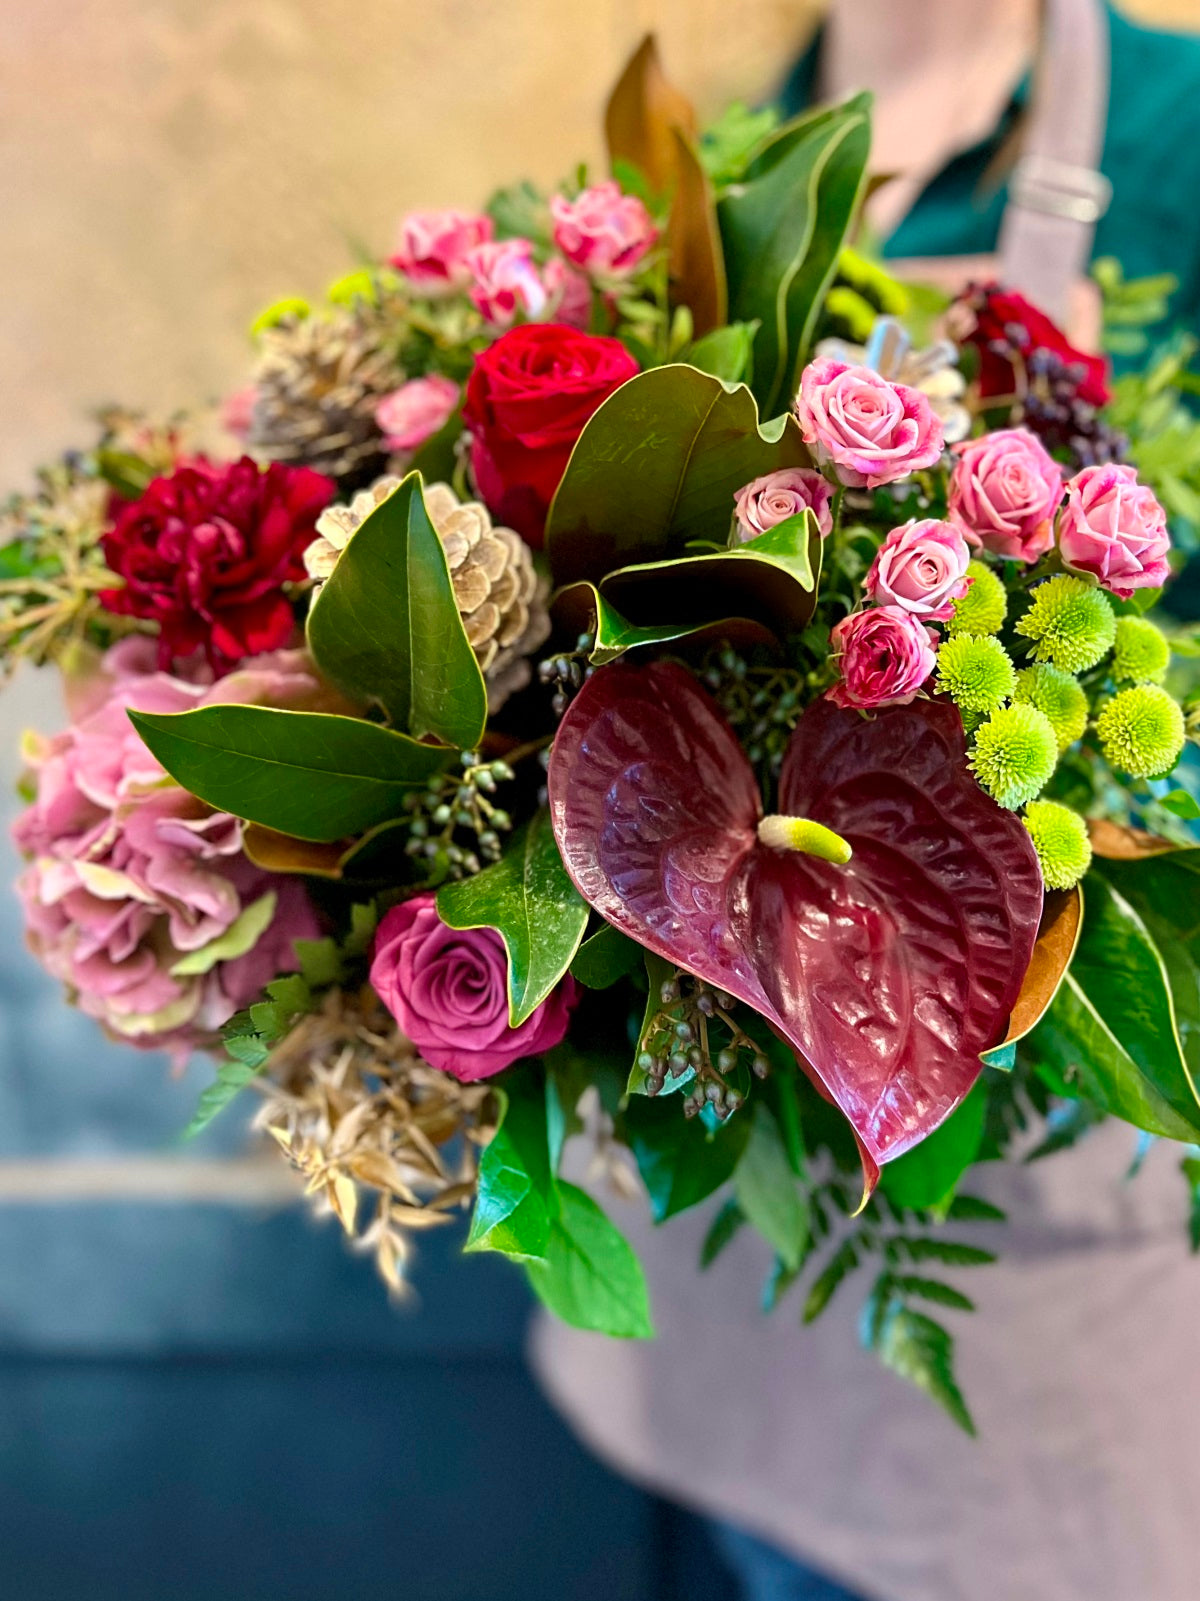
[{"x": 619, "y": 672}]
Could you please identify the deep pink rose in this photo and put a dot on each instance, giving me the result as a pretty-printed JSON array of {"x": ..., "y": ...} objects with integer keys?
[
  {"x": 602, "y": 230},
  {"x": 505, "y": 280},
  {"x": 765, "y": 502},
  {"x": 922, "y": 568},
  {"x": 448, "y": 990},
  {"x": 1113, "y": 529},
  {"x": 885, "y": 655},
  {"x": 872, "y": 431},
  {"x": 1004, "y": 490},
  {"x": 413, "y": 413},
  {"x": 432, "y": 246}
]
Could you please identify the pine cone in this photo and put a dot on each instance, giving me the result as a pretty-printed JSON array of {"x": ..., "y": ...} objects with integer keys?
[
  {"x": 501, "y": 599},
  {"x": 318, "y": 382}
]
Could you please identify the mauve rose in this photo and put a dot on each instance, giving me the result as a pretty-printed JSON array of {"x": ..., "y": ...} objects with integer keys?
[
  {"x": 885, "y": 655},
  {"x": 872, "y": 431},
  {"x": 1004, "y": 490},
  {"x": 505, "y": 280},
  {"x": 448, "y": 990},
  {"x": 602, "y": 230},
  {"x": 432, "y": 246},
  {"x": 413, "y": 413},
  {"x": 772, "y": 499},
  {"x": 1113, "y": 529},
  {"x": 922, "y": 568},
  {"x": 528, "y": 397},
  {"x": 570, "y": 294}
]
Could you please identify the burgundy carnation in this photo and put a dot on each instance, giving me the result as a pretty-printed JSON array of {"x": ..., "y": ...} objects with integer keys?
[
  {"x": 528, "y": 399},
  {"x": 205, "y": 552}
]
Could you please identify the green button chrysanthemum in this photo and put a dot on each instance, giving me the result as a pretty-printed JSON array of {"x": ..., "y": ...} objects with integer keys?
[
  {"x": 1015, "y": 754},
  {"x": 976, "y": 673},
  {"x": 1060, "y": 838},
  {"x": 1070, "y": 623},
  {"x": 1141, "y": 654},
  {"x": 983, "y": 608},
  {"x": 1058, "y": 696},
  {"x": 1141, "y": 731}
]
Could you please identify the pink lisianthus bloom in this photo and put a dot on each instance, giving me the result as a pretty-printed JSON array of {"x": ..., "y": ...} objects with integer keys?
[
  {"x": 885, "y": 654},
  {"x": 869, "y": 430},
  {"x": 432, "y": 247},
  {"x": 131, "y": 882},
  {"x": 1113, "y": 529},
  {"x": 570, "y": 294},
  {"x": 505, "y": 281},
  {"x": 1004, "y": 490},
  {"x": 922, "y": 568},
  {"x": 602, "y": 230},
  {"x": 413, "y": 413},
  {"x": 448, "y": 990},
  {"x": 770, "y": 500}
]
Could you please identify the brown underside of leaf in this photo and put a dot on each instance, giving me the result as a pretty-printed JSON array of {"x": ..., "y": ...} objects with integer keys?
[
  {"x": 1121, "y": 844},
  {"x": 641, "y": 117},
  {"x": 1058, "y": 935},
  {"x": 280, "y": 853},
  {"x": 697, "y": 263}
]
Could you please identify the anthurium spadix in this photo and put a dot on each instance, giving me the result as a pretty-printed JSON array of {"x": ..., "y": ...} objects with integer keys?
[{"x": 882, "y": 921}]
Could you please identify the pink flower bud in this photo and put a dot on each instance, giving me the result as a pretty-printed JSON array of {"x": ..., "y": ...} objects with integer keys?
[
  {"x": 413, "y": 413},
  {"x": 602, "y": 230},
  {"x": 885, "y": 655},
  {"x": 432, "y": 246},
  {"x": 775, "y": 497},
  {"x": 872, "y": 432},
  {"x": 1113, "y": 529},
  {"x": 1003, "y": 493},
  {"x": 504, "y": 281},
  {"x": 921, "y": 567}
]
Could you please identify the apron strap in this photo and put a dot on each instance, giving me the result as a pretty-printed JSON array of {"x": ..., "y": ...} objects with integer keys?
[{"x": 1057, "y": 193}]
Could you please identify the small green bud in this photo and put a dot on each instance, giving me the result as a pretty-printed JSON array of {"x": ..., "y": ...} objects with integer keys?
[
  {"x": 1141, "y": 731},
  {"x": 976, "y": 673},
  {"x": 1071, "y": 624},
  {"x": 1058, "y": 696},
  {"x": 983, "y": 608},
  {"x": 1142, "y": 654},
  {"x": 1060, "y": 838},
  {"x": 1015, "y": 754}
]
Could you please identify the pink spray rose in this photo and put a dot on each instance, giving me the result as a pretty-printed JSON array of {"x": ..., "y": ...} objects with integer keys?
[
  {"x": 1114, "y": 529},
  {"x": 570, "y": 294},
  {"x": 922, "y": 568},
  {"x": 432, "y": 246},
  {"x": 505, "y": 280},
  {"x": 448, "y": 991},
  {"x": 765, "y": 502},
  {"x": 131, "y": 881},
  {"x": 413, "y": 413},
  {"x": 885, "y": 654},
  {"x": 872, "y": 431},
  {"x": 602, "y": 230},
  {"x": 1003, "y": 493}
]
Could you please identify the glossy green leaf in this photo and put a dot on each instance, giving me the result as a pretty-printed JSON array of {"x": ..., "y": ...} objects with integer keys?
[
  {"x": 782, "y": 226},
  {"x": 582, "y": 607},
  {"x": 727, "y": 353},
  {"x": 724, "y": 1227},
  {"x": 311, "y": 774},
  {"x": 528, "y": 898},
  {"x": 385, "y": 626},
  {"x": 516, "y": 1196},
  {"x": 657, "y": 467},
  {"x": 927, "y": 1175},
  {"x": 606, "y": 957},
  {"x": 680, "y": 1160},
  {"x": 658, "y": 972},
  {"x": 590, "y": 1276},
  {"x": 915, "y": 1347},
  {"x": 766, "y": 1190}
]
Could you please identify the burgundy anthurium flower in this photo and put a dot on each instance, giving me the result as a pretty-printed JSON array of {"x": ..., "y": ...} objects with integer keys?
[{"x": 888, "y": 973}]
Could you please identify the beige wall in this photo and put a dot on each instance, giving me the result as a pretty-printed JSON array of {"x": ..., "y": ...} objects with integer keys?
[{"x": 168, "y": 166}]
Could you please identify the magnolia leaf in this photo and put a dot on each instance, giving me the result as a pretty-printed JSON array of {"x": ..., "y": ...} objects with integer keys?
[
  {"x": 694, "y": 252},
  {"x": 589, "y": 1275},
  {"x": 385, "y": 626},
  {"x": 1058, "y": 936},
  {"x": 283, "y": 853},
  {"x": 657, "y": 467},
  {"x": 643, "y": 113},
  {"x": 515, "y": 1193},
  {"x": 242, "y": 935},
  {"x": 531, "y": 902},
  {"x": 727, "y": 353},
  {"x": 1115, "y": 842},
  {"x": 681, "y": 1161},
  {"x": 584, "y": 609},
  {"x": 766, "y": 1191},
  {"x": 311, "y": 774}
]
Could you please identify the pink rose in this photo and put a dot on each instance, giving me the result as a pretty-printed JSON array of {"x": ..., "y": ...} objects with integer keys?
[
  {"x": 505, "y": 280},
  {"x": 921, "y": 567},
  {"x": 448, "y": 990},
  {"x": 772, "y": 499},
  {"x": 602, "y": 230},
  {"x": 432, "y": 246},
  {"x": 570, "y": 294},
  {"x": 885, "y": 655},
  {"x": 874, "y": 432},
  {"x": 1003, "y": 493},
  {"x": 413, "y": 413},
  {"x": 1113, "y": 529}
]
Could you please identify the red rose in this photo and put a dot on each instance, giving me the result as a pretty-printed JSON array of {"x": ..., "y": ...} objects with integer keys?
[
  {"x": 206, "y": 550},
  {"x": 1005, "y": 318},
  {"x": 527, "y": 401}
]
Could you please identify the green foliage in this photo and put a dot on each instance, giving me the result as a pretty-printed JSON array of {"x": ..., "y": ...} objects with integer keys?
[
  {"x": 766, "y": 1190},
  {"x": 310, "y": 774},
  {"x": 515, "y": 1193},
  {"x": 725, "y": 1226},
  {"x": 589, "y": 1276},
  {"x": 385, "y": 626},
  {"x": 681, "y": 1160},
  {"x": 1190, "y": 1168},
  {"x": 928, "y": 1175},
  {"x": 783, "y": 227},
  {"x": 727, "y": 353},
  {"x": 605, "y": 958},
  {"x": 249, "y": 1038},
  {"x": 727, "y": 144},
  {"x": 914, "y": 1346},
  {"x": 609, "y": 634},
  {"x": 529, "y": 899},
  {"x": 1130, "y": 305},
  {"x": 1151, "y": 408}
]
